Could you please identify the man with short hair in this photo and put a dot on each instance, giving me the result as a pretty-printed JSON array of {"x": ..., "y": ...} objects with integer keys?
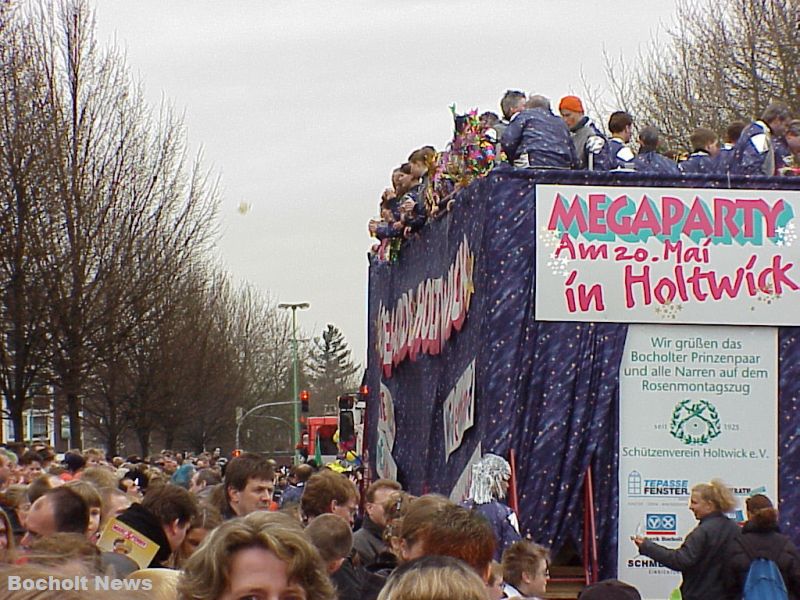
[
  {"x": 590, "y": 143},
  {"x": 525, "y": 570},
  {"x": 164, "y": 516},
  {"x": 458, "y": 532},
  {"x": 333, "y": 538},
  {"x": 754, "y": 152},
  {"x": 247, "y": 486},
  {"x": 620, "y": 125},
  {"x": 59, "y": 510},
  {"x": 330, "y": 492},
  {"x": 513, "y": 102},
  {"x": 368, "y": 541},
  {"x": 705, "y": 149},
  {"x": 732, "y": 135},
  {"x": 538, "y": 139}
]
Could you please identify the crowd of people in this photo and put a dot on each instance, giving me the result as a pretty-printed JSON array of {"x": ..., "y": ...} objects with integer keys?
[
  {"x": 248, "y": 529},
  {"x": 530, "y": 135}
]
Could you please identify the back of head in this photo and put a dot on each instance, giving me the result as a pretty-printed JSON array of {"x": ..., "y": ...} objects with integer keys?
[
  {"x": 420, "y": 515},
  {"x": 717, "y": 493},
  {"x": 734, "y": 131},
  {"x": 701, "y": 138},
  {"x": 434, "y": 578},
  {"x": 169, "y": 503},
  {"x": 303, "y": 472},
  {"x": 323, "y": 488},
  {"x": 618, "y": 121},
  {"x": 183, "y": 476},
  {"x": 331, "y": 536},
  {"x": 610, "y": 589},
  {"x": 761, "y": 512},
  {"x": 462, "y": 534},
  {"x": 163, "y": 582},
  {"x": 100, "y": 477},
  {"x": 523, "y": 557},
  {"x": 60, "y": 548},
  {"x": 776, "y": 111},
  {"x": 424, "y": 154},
  {"x": 206, "y": 573},
  {"x": 649, "y": 138},
  {"x": 70, "y": 511},
  {"x": 511, "y": 100},
  {"x": 245, "y": 467},
  {"x": 38, "y": 487},
  {"x": 538, "y": 101}
]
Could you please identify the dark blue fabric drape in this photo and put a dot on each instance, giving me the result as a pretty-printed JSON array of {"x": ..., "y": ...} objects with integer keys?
[{"x": 547, "y": 390}]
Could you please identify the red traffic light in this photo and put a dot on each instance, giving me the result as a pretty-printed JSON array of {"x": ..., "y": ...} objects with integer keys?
[
  {"x": 304, "y": 397},
  {"x": 364, "y": 390},
  {"x": 236, "y": 453}
]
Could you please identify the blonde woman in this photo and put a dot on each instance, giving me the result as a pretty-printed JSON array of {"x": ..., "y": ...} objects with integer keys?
[
  {"x": 700, "y": 559},
  {"x": 434, "y": 578},
  {"x": 255, "y": 557}
]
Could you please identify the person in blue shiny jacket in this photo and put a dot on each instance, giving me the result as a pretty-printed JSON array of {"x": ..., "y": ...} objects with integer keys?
[
  {"x": 537, "y": 138},
  {"x": 649, "y": 159},
  {"x": 705, "y": 148},
  {"x": 754, "y": 153},
  {"x": 620, "y": 124},
  {"x": 732, "y": 134}
]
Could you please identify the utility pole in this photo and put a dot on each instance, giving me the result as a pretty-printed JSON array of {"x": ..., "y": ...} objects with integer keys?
[{"x": 293, "y": 306}]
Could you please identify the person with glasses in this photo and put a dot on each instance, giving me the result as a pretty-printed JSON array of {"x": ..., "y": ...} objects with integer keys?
[{"x": 526, "y": 570}]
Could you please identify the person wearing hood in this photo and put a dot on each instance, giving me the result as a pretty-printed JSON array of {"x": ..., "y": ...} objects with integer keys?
[
  {"x": 761, "y": 538},
  {"x": 164, "y": 516},
  {"x": 489, "y": 486}
]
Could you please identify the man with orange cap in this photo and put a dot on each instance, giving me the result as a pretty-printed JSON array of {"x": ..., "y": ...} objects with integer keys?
[{"x": 590, "y": 143}]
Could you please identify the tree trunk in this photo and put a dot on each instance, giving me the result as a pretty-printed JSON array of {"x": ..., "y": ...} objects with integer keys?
[
  {"x": 143, "y": 436},
  {"x": 74, "y": 412},
  {"x": 16, "y": 420}
]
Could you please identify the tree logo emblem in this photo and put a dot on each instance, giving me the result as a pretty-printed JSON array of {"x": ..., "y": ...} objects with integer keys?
[{"x": 695, "y": 422}]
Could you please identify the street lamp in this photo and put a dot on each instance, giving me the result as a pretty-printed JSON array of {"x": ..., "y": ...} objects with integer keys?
[{"x": 293, "y": 306}]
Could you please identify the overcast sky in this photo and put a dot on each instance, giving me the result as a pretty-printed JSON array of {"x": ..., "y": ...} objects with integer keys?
[{"x": 304, "y": 108}]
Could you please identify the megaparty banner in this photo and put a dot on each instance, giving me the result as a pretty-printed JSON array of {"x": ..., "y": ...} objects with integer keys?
[
  {"x": 696, "y": 403},
  {"x": 652, "y": 255}
]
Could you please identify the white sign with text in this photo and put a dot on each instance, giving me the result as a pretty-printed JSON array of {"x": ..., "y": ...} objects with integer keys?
[
  {"x": 696, "y": 403},
  {"x": 667, "y": 255}
]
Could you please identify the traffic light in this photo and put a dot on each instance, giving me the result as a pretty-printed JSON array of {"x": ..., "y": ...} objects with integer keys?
[
  {"x": 347, "y": 429},
  {"x": 304, "y": 398},
  {"x": 236, "y": 453}
]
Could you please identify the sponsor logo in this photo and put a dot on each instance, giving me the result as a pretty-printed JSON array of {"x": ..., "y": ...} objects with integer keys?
[
  {"x": 661, "y": 524},
  {"x": 640, "y": 486}
]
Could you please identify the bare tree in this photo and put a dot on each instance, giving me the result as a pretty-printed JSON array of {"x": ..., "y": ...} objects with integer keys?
[
  {"x": 724, "y": 60},
  {"x": 126, "y": 214},
  {"x": 24, "y": 186}
]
